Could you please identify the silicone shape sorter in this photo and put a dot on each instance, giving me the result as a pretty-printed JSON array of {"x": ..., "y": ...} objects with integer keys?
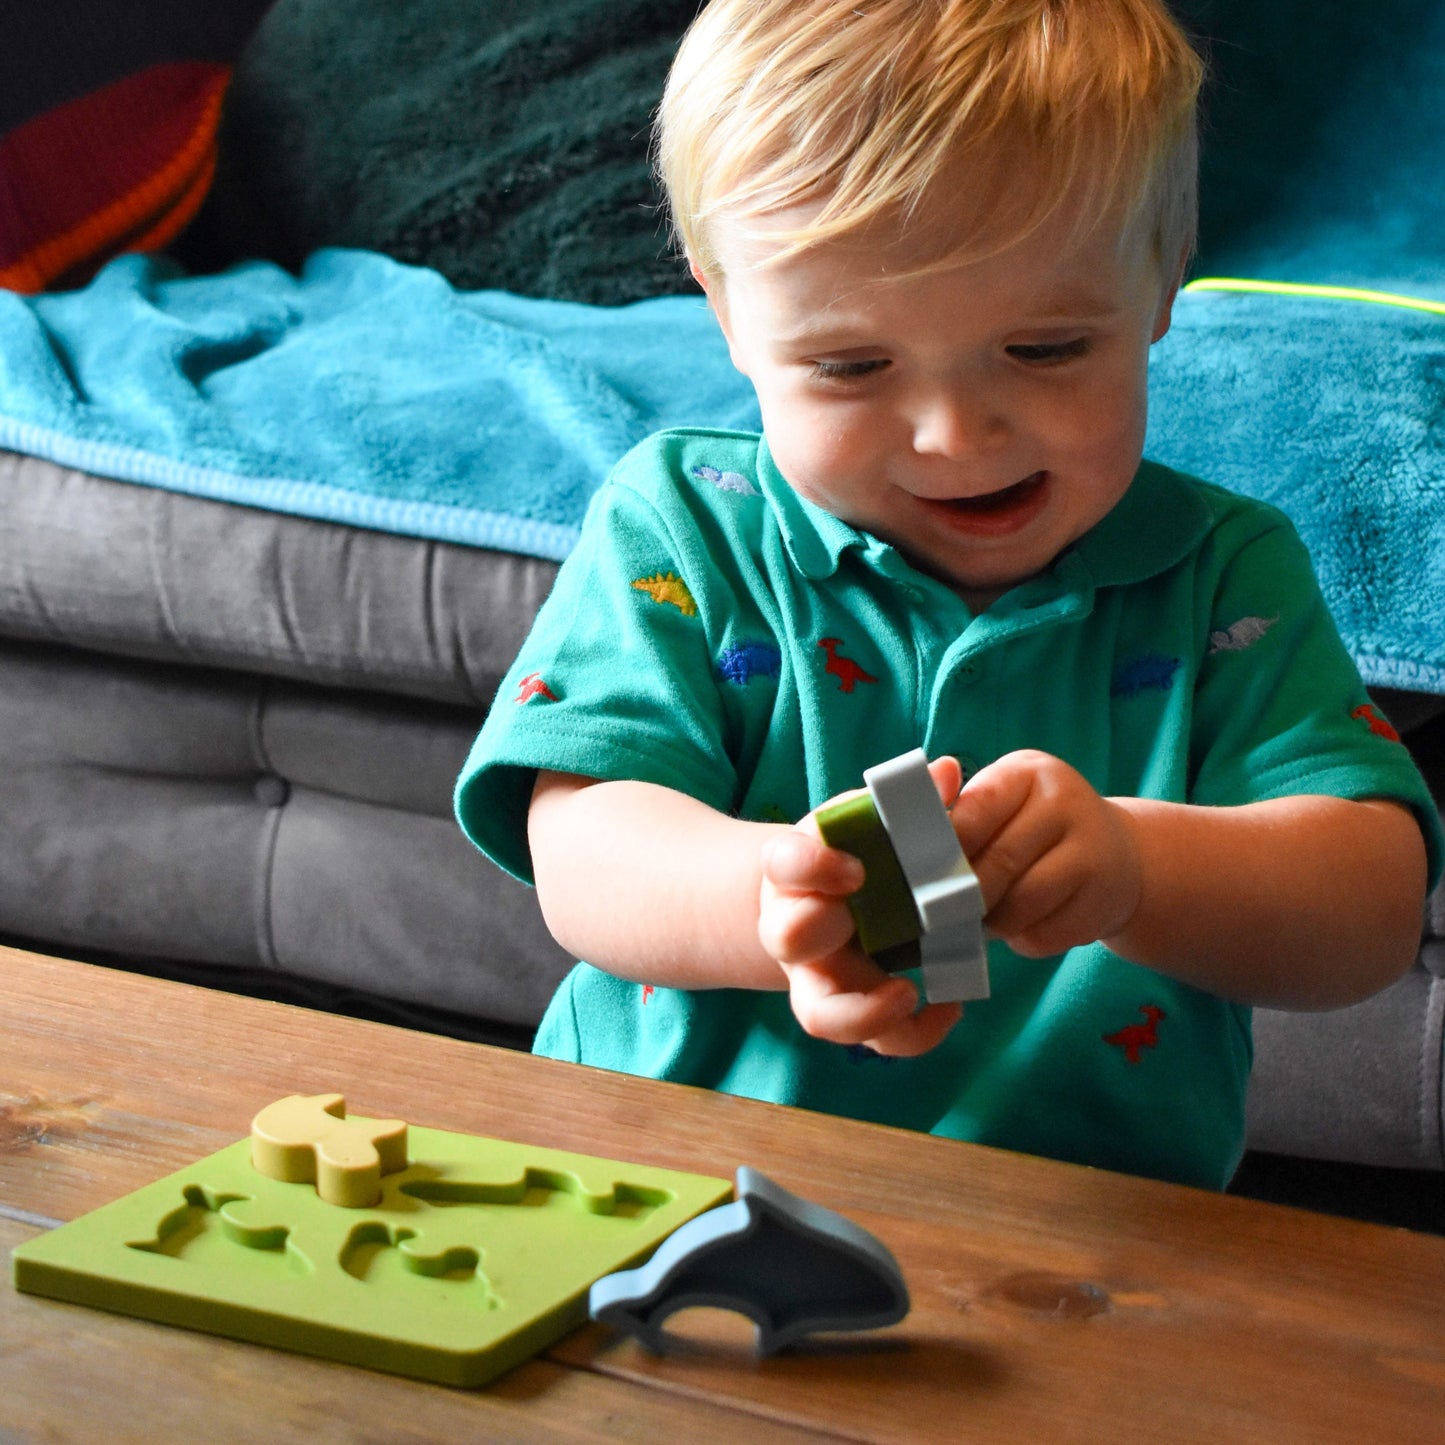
[
  {"x": 789, "y": 1265},
  {"x": 476, "y": 1254},
  {"x": 920, "y": 904}
]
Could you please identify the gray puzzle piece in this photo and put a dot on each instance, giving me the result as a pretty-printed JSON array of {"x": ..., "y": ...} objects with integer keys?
[
  {"x": 791, "y": 1266},
  {"x": 946, "y": 891}
]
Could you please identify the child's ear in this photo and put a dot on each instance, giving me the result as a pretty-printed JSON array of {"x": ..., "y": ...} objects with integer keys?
[
  {"x": 1165, "y": 314},
  {"x": 717, "y": 300}
]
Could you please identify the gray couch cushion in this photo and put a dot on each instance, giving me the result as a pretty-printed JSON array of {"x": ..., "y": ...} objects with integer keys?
[
  {"x": 148, "y": 573},
  {"x": 1362, "y": 1084},
  {"x": 173, "y": 811}
]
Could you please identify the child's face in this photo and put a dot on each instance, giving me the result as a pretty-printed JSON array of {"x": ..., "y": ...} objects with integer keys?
[{"x": 980, "y": 418}]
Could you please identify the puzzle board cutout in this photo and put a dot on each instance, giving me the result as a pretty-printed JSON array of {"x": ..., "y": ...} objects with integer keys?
[{"x": 479, "y": 1253}]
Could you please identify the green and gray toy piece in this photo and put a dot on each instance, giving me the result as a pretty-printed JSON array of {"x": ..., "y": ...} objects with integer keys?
[{"x": 920, "y": 905}]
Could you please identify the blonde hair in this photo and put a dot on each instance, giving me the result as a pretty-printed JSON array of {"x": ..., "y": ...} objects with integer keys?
[{"x": 865, "y": 108}]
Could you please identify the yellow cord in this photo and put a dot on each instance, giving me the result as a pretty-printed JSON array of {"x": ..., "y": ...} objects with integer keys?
[{"x": 1332, "y": 293}]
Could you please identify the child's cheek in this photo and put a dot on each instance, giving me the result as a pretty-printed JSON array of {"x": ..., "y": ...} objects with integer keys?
[
  {"x": 1104, "y": 420},
  {"x": 813, "y": 450},
  {"x": 848, "y": 439}
]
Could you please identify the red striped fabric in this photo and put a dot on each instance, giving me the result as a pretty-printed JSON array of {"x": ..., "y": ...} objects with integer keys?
[{"x": 122, "y": 168}]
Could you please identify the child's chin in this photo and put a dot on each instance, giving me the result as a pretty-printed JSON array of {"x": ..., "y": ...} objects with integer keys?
[{"x": 980, "y": 588}]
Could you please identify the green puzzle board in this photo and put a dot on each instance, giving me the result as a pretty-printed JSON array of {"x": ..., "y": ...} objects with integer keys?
[{"x": 480, "y": 1253}]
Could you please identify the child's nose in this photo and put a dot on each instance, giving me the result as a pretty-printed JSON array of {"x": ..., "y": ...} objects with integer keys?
[{"x": 958, "y": 423}]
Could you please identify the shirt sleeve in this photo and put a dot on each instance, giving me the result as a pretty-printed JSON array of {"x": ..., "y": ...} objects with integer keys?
[
  {"x": 1279, "y": 705},
  {"x": 616, "y": 679}
]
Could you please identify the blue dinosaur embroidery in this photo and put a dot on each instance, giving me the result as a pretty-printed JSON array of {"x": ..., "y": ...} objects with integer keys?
[
  {"x": 727, "y": 481},
  {"x": 744, "y": 661},
  {"x": 1149, "y": 672}
]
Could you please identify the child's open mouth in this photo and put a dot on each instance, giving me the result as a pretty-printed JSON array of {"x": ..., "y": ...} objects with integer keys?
[{"x": 995, "y": 514}]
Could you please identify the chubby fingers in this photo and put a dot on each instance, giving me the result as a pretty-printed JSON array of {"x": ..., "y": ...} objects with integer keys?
[
  {"x": 1049, "y": 852},
  {"x": 1005, "y": 824},
  {"x": 918, "y": 1033},
  {"x": 847, "y": 999},
  {"x": 796, "y": 860},
  {"x": 947, "y": 775},
  {"x": 802, "y": 910},
  {"x": 993, "y": 798}
]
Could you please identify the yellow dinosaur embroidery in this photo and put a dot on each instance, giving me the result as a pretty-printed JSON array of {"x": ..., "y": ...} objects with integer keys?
[{"x": 668, "y": 587}]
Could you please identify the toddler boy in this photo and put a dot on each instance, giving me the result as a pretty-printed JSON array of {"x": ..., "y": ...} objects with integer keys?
[{"x": 940, "y": 237}]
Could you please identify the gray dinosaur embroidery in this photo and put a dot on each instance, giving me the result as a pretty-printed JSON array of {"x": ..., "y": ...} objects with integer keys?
[
  {"x": 727, "y": 481},
  {"x": 1240, "y": 635}
]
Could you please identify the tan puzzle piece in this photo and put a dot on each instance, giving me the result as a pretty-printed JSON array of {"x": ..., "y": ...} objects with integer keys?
[{"x": 308, "y": 1138}]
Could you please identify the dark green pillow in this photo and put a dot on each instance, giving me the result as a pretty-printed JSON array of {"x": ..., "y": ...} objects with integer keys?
[{"x": 502, "y": 142}]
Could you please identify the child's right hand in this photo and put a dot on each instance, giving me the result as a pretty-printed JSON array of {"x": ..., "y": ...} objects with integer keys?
[{"x": 836, "y": 991}]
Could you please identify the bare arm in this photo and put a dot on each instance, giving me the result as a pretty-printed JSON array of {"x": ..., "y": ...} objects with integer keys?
[
  {"x": 1305, "y": 903},
  {"x": 654, "y": 886},
  {"x": 650, "y": 884},
  {"x": 1299, "y": 903}
]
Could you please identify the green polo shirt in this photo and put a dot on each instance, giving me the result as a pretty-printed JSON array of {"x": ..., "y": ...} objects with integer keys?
[{"x": 715, "y": 633}]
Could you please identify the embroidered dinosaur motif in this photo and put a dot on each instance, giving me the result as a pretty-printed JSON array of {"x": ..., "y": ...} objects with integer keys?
[
  {"x": 1149, "y": 672},
  {"x": 647, "y": 991},
  {"x": 1378, "y": 725},
  {"x": 532, "y": 686},
  {"x": 727, "y": 481},
  {"x": 1135, "y": 1038},
  {"x": 744, "y": 661},
  {"x": 1239, "y": 635},
  {"x": 848, "y": 672},
  {"x": 668, "y": 587}
]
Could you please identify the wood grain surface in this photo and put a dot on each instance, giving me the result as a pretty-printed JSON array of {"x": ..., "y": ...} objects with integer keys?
[{"x": 1050, "y": 1302}]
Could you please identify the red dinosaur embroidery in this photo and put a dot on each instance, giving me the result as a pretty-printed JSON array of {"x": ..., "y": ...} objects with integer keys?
[
  {"x": 1378, "y": 725},
  {"x": 1134, "y": 1038},
  {"x": 848, "y": 673},
  {"x": 532, "y": 686},
  {"x": 647, "y": 991}
]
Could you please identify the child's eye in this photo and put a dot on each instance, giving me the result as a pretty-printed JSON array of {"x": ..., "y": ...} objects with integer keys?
[
  {"x": 847, "y": 370},
  {"x": 1050, "y": 352}
]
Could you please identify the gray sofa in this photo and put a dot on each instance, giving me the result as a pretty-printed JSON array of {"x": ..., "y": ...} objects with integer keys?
[{"x": 228, "y": 736}]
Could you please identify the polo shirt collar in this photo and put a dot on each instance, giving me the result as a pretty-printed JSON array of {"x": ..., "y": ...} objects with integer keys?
[
  {"x": 815, "y": 539},
  {"x": 1157, "y": 523}
]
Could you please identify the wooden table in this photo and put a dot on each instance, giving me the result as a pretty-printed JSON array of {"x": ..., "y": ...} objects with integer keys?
[{"x": 1049, "y": 1302}]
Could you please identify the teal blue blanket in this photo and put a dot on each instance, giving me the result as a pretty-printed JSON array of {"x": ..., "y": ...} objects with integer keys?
[
  {"x": 1334, "y": 410},
  {"x": 375, "y": 394},
  {"x": 362, "y": 391}
]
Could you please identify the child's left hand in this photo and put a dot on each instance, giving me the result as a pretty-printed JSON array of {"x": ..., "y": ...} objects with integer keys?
[{"x": 1058, "y": 864}]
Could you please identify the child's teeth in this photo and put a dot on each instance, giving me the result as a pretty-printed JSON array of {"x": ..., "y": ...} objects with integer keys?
[{"x": 996, "y": 499}]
